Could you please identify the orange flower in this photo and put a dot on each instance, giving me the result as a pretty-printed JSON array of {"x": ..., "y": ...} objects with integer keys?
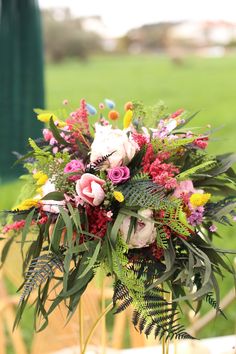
[
  {"x": 113, "y": 115},
  {"x": 128, "y": 105}
]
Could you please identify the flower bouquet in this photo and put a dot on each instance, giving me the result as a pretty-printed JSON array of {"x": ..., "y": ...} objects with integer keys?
[{"x": 141, "y": 203}]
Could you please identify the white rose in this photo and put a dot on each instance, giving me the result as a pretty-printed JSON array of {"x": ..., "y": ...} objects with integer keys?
[
  {"x": 108, "y": 140},
  {"x": 144, "y": 233}
]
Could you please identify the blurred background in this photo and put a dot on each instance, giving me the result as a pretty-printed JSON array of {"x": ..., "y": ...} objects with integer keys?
[{"x": 179, "y": 52}]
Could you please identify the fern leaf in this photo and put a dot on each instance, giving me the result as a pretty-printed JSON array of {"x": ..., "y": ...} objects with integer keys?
[
  {"x": 124, "y": 305},
  {"x": 37, "y": 150},
  {"x": 205, "y": 166},
  {"x": 161, "y": 239},
  {"x": 144, "y": 193},
  {"x": 40, "y": 269},
  {"x": 141, "y": 177},
  {"x": 211, "y": 301},
  {"x": 135, "y": 317}
]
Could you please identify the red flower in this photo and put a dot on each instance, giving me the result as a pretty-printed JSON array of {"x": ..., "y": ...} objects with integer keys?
[
  {"x": 201, "y": 142},
  {"x": 97, "y": 220}
]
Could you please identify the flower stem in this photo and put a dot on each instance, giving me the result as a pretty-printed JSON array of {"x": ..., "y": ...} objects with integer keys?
[
  {"x": 81, "y": 334},
  {"x": 107, "y": 309}
]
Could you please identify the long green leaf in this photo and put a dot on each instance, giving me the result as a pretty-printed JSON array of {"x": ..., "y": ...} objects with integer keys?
[
  {"x": 116, "y": 226},
  {"x": 26, "y": 228},
  {"x": 56, "y": 133},
  {"x": 92, "y": 261}
]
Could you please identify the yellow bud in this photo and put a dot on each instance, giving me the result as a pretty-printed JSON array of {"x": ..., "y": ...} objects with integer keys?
[
  {"x": 118, "y": 196},
  {"x": 127, "y": 118}
]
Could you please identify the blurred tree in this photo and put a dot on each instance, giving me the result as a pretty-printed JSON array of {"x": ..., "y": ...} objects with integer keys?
[
  {"x": 21, "y": 79},
  {"x": 65, "y": 37},
  {"x": 147, "y": 38}
]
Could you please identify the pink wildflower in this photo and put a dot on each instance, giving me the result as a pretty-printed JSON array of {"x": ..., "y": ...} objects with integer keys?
[
  {"x": 177, "y": 113},
  {"x": 75, "y": 166},
  {"x": 109, "y": 214},
  {"x": 101, "y": 106},
  {"x": 16, "y": 226},
  {"x": 201, "y": 142},
  {"x": 47, "y": 134},
  {"x": 213, "y": 228}
]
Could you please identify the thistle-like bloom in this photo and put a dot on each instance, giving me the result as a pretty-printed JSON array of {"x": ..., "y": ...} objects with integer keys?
[{"x": 198, "y": 199}]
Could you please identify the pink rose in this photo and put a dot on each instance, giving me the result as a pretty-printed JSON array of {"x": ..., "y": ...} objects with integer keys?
[
  {"x": 74, "y": 166},
  {"x": 89, "y": 189},
  {"x": 119, "y": 174}
]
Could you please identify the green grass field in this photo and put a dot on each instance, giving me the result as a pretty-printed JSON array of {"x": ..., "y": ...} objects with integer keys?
[{"x": 208, "y": 85}]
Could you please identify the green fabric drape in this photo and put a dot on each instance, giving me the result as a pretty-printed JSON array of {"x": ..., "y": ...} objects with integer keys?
[{"x": 21, "y": 79}]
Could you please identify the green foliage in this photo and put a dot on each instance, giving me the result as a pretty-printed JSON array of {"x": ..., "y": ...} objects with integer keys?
[
  {"x": 38, "y": 152},
  {"x": 161, "y": 239},
  {"x": 40, "y": 269},
  {"x": 221, "y": 210},
  {"x": 170, "y": 145},
  {"x": 144, "y": 194},
  {"x": 152, "y": 313},
  {"x": 211, "y": 301},
  {"x": 175, "y": 219},
  {"x": 203, "y": 167}
]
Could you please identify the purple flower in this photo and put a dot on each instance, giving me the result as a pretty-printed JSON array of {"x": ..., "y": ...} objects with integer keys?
[
  {"x": 119, "y": 174},
  {"x": 74, "y": 166},
  {"x": 213, "y": 228},
  {"x": 196, "y": 216}
]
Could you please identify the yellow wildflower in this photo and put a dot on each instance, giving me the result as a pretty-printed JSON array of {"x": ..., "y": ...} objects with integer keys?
[
  {"x": 198, "y": 199},
  {"x": 127, "y": 118},
  {"x": 45, "y": 117},
  {"x": 39, "y": 191},
  {"x": 41, "y": 178},
  {"x": 118, "y": 196},
  {"x": 27, "y": 204},
  {"x": 61, "y": 124}
]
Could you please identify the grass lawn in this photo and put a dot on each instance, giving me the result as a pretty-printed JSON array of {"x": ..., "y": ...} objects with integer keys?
[{"x": 208, "y": 85}]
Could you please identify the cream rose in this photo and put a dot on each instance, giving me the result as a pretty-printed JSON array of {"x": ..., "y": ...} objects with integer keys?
[
  {"x": 89, "y": 189},
  {"x": 108, "y": 140},
  {"x": 144, "y": 233}
]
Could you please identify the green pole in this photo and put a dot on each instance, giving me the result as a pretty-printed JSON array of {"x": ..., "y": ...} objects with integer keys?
[{"x": 21, "y": 80}]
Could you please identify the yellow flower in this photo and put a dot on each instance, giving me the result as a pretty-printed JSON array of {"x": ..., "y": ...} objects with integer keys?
[
  {"x": 61, "y": 124},
  {"x": 118, "y": 196},
  {"x": 127, "y": 118},
  {"x": 45, "y": 117},
  {"x": 198, "y": 199},
  {"x": 41, "y": 178},
  {"x": 39, "y": 191},
  {"x": 27, "y": 204}
]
